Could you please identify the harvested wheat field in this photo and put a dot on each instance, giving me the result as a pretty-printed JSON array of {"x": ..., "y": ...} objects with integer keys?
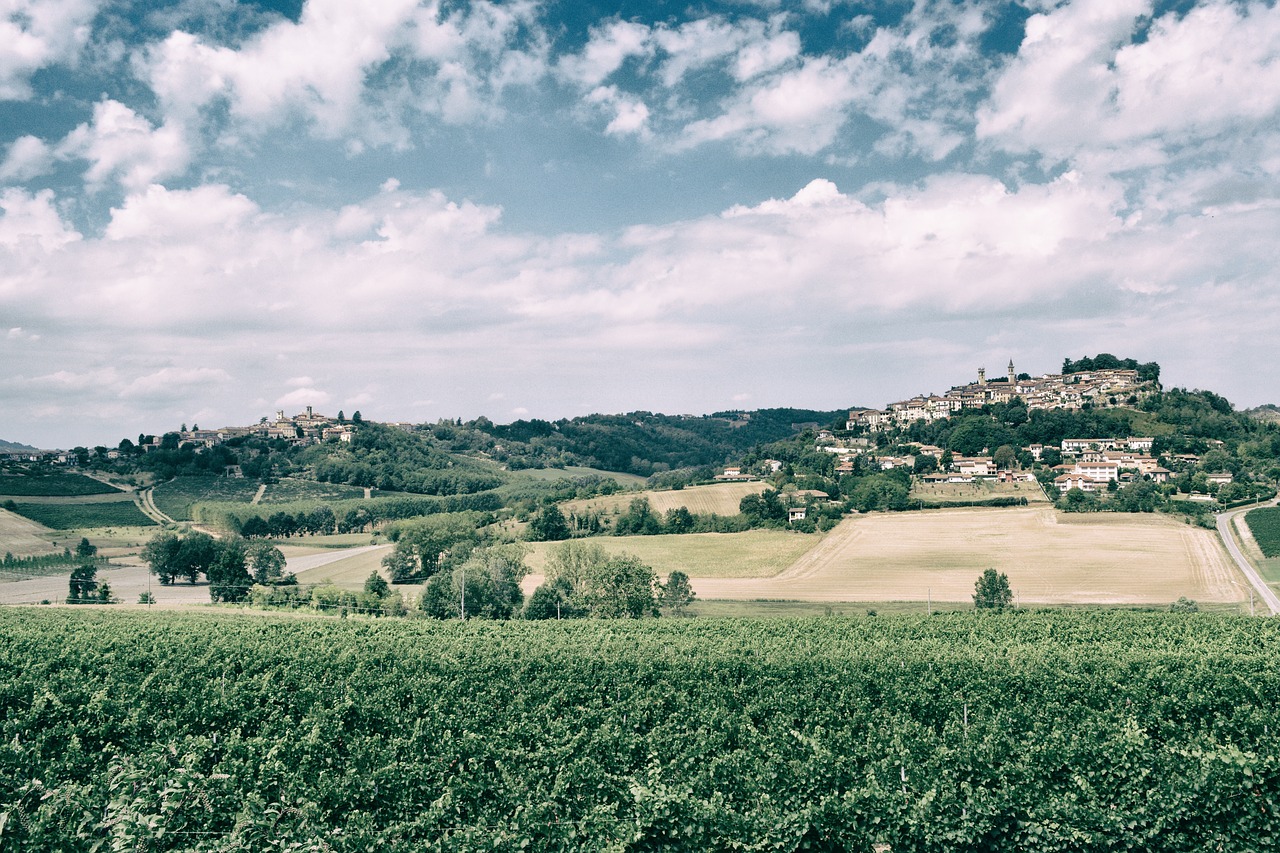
[
  {"x": 717, "y": 498},
  {"x": 22, "y": 537},
  {"x": 1050, "y": 558}
]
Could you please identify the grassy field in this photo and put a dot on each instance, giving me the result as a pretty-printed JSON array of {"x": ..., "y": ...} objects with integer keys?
[
  {"x": 85, "y": 515},
  {"x": 333, "y": 540},
  {"x": 572, "y": 471},
  {"x": 291, "y": 489},
  {"x": 977, "y": 491},
  {"x": 753, "y": 554},
  {"x": 48, "y": 485},
  {"x": 1050, "y": 558},
  {"x": 176, "y": 497},
  {"x": 349, "y": 573},
  {"x": 719, "y": 498}
]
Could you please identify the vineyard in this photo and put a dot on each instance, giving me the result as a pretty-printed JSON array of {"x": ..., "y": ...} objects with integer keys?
[
  {"x": 1025, "y": 731},
  {"x": 85, "y": 515},
  {"x": 53, "y": 484},
  {"x": 1265, "y": 525}
]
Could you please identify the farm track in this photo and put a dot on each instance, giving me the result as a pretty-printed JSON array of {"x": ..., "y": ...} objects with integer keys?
[
  {"x": 257, "y": 498},
  {"x": 146, "y": 502}
]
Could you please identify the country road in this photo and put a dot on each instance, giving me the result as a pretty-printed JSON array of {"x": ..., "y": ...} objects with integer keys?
[{"x": 1265, "y": 592}]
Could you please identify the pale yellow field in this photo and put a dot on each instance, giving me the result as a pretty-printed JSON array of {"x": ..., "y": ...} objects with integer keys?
[
  {"x": 22, "y": 537},
  {"x": 717, "y": 498},
  {"x": 1050, "y": 558},
  {"x": 753, "y": 554}
]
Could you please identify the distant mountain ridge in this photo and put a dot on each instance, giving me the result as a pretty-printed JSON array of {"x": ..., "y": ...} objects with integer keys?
[{"x": 13, "y": 446}]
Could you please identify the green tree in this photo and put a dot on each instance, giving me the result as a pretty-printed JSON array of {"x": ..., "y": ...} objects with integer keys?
[
  {"x": 676, "y": 594},
  {"x": 553, "y": 600},
  {"x": 228, "y": 575},
  {"x": 266, "y": 562},
  {"x": 83, "y": 584},
  {"x": 485, "y": 586},
  {"x": 623, "y": 588},
  {"x": 1005, "y": 456},
  {"x": 85, "y": 550},
  {"x": 196, "y": 554},
  {"x": 161, "y": 554},
  {"x": 402, "y": 563},
  {"x": 376, "y": 585},
  {"x": 991, "y": 591},
  {"x": 679, "y": 520},
  {"x": 549, "y": 525}
]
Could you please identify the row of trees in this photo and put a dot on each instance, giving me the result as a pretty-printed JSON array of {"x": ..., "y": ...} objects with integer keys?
[{"x": 231, "y": 565}]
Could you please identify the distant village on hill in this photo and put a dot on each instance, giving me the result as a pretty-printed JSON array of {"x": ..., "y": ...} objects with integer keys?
[{"x": 1097, "y": 387}]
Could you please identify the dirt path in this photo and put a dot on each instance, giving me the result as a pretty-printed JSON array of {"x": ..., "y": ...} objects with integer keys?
[
  {"x": 257, "y": 498},
  {"x": 146, "y": 501},
  {"x": 1267, "y": 594}
]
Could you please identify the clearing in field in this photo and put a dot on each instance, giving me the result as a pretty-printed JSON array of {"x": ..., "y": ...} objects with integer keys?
[
  {"x": 1050, "y": 558},
  {"x": 979, "y": 490},
  {"x": 717, "y": 498}
]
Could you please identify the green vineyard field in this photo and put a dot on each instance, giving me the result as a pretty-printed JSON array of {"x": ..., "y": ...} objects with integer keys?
[
  {"x": 1264, "y": 523},
  {"x": 74, "y": 516},
  {"x": 1026, "y": 731}
]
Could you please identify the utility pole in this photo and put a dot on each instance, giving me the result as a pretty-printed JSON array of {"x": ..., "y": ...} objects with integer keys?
[{"x": 929, "y": 599}]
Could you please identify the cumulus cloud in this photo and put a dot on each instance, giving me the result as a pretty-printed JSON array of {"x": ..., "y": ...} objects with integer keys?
[
  {"x": 608, "y": 48},
  {"x": 35, "y": 34},
  {"x": 630, "y": 116},
  {"x": 1082, "y": 87},
  {"x": 121, "y": 144},
  {"x": 28, "y": 157},
  {"x": 796, "y": 111}
]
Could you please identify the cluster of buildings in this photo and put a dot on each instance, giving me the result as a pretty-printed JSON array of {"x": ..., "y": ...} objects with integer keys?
[
  {"x": 306, "y": 427},
  {"x": 1099, "y": 388}
]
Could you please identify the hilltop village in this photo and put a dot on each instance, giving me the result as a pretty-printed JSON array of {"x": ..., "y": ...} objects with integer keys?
[{"x": 1088, "y": 464}]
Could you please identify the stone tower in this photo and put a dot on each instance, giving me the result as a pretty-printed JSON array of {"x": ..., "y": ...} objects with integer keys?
[
  {"x": 982, "y": 376},
  {"x": 1013, "y": 377}
]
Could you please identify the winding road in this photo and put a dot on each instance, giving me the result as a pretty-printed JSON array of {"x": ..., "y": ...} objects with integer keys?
[{"x": 1265, "y": 592}]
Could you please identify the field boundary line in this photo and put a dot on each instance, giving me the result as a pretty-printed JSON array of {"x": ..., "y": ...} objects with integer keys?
[{"x": 1224, "y": 524}]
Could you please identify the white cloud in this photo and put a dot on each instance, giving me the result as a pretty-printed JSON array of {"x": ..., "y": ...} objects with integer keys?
[
  {"x": 796, "y": 111},
  {"x": 1080, "y": 88},
  {"x": 630, "y": 116},
  {"x": 174, "y": 383},
  {"x": 28, "y": 157},
  {"x": 304, "y": 397},
  {"x": 160, "y": 214},
  {"x": 608, "y": 48},
  {"x": 37, "y": 33},
  {"x": 30, "y": 222},
  {"x": 121, "y": 144},
  {"x": 766, "y": 54}
]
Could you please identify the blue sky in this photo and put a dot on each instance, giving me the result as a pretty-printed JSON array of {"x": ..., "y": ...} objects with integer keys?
[{"x": 211, "y": 210}]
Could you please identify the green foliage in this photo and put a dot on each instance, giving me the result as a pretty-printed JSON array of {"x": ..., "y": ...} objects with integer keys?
[
  {"x": 549, "y": 525},
  {"x": 1264, "y": 523},
  {"x": 991, "y": 591},
  {"x": 1148, "y": 372},
  {"x": 676, "y": 594},
  {"x": 1184, "y": 605},
  {"x": 485, "y": 586},
  {"x": 76, "y": 516},
  {"x": 599, "y": 584},
  {"x": 376, "y": 584},
  {"x": 1025, "y": 731}
]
